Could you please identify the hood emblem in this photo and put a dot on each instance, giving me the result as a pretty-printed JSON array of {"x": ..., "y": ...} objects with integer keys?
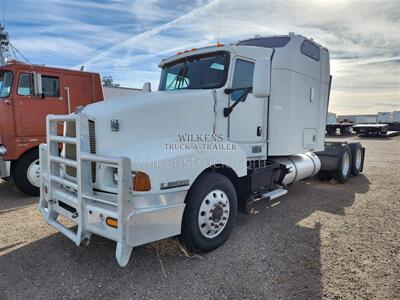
[{"x": 114, "y": 125}]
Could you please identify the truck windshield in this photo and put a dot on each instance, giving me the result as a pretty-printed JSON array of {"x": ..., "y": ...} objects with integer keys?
[
  {"x": 6, "y": 78},
  {"x": 195, "y": 72}
]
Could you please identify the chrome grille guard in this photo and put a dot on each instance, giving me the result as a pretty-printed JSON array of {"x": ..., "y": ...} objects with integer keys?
[{"x": 77, "y": 196}]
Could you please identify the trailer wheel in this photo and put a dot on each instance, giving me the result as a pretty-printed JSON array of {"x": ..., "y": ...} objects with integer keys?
[
  {"x": 358, "y": 159},
  {"x": 210, "y": 213},
  {"x": 26, "y": 172},
  {"x": 344, "y": 164}
]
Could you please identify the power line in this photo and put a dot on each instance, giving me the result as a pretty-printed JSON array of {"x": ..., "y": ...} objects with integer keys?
[
  {"x": 13, "y": 51},
  {"x": 13, "y": 47}
]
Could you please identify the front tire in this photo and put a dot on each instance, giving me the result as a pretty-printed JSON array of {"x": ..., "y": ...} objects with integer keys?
[
  {"x": 26, "y": 172},
  {"x": 210, "y": 212}
]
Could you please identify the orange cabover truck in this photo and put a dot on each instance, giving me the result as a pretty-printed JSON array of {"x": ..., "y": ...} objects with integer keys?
[{"x": 28, "y": 93}]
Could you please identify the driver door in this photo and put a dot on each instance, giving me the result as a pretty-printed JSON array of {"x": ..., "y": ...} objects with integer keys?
[
  {"x": 247, "y": 120},
  {"x": 31, "y": 111}
]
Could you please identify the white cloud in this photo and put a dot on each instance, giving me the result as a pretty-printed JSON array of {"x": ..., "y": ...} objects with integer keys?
[{"x": 127, "y": 39}]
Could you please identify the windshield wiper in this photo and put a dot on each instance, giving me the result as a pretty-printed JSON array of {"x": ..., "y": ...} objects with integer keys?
[
  {"x": 242, "y": 98},
  {"x": 180, "y": 78}
]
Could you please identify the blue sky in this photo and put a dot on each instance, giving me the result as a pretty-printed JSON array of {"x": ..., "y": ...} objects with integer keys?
[{"x": 127, "y": 39}]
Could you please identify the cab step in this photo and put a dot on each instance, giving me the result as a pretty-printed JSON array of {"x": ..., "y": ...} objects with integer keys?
[{"x": 269, "y": 195}]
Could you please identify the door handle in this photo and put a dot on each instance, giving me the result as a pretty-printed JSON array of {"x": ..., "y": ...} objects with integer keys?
[{"x": 259, "y": 130}]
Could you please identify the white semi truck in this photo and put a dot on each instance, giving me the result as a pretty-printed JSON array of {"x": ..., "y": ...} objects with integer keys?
[{"x": 229, "y": 124}]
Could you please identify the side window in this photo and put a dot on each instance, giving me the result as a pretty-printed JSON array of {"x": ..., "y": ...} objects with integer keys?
[
  {"x": 242, "y": 77},
  {"x": 51, "y": 86},
  {"x": 310, "y": 50},
  {"x": 24, "y": 84}
]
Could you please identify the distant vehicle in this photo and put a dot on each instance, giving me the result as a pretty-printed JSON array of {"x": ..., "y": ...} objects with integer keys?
[
  {"x": 371, "y": 129},
  {"x": 28, "y": 93},
  {"x": 385, "y": 117},
  {"x": 254, "y": 117},
  {"x": 357, "y": 119}
]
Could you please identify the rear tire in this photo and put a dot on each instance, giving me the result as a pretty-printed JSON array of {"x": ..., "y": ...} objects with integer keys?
[
  {"x": 357, "y": 158},
  {"x": 26, "y": 172},
  {"x": 210, "y": 212},
  {"x": 344, "y": 164}
]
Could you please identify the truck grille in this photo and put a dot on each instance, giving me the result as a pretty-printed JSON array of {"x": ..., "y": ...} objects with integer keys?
[{"x": 70, "y": 150}]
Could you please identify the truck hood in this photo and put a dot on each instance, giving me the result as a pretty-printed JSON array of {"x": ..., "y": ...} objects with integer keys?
[{"x": 156, "y": 119}]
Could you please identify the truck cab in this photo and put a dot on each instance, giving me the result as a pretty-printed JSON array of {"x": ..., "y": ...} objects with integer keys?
[
  {"x": 228, "y": 124},
  {"x": 28, "y": 93}
]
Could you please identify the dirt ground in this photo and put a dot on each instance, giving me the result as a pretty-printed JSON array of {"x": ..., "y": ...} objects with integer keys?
[{"x": 321, "y": 240}]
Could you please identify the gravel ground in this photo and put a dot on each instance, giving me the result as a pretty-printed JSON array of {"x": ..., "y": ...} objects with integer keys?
[{"x": 321, "y": 240}]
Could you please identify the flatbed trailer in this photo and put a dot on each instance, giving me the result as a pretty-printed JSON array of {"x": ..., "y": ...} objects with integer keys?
[
  {"x": 345, "y": 128},
  {"x": 371, "y": 129},
  {"x": 394, "y": 126}
]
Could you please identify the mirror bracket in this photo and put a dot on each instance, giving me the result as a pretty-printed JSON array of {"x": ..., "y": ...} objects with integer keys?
[{"x": 242, "y": 98}]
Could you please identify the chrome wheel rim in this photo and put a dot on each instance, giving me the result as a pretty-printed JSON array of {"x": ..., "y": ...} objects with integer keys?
[
  {"x": 358, "y": 158},
  {"x": 214, "y": 213},
  {"x": 345, "y": 164},
  {"x": 33, "y": 173}
]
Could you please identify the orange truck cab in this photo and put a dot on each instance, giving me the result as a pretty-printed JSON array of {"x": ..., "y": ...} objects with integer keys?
[{"x": 28, "y": 93}]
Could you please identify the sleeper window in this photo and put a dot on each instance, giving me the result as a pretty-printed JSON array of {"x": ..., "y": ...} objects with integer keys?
[
  {"x": 310, "y": 50},
  {"x": 51, "y": 86},
  {"x": 242, "y": 77}
]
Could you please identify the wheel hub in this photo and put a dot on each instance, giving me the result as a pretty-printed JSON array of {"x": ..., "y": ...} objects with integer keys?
[
  {"x": 358, "y": 158},
  {"x": 345, "y": 164},
  {"x": 214, "y": 213},
  {"x": 217, "y": 213},
  {"x": 33, "y": 173}
]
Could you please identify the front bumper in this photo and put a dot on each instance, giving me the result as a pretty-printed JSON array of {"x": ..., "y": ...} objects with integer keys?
[
  {"x": 141, "y": 218},
  {"x": 5, "y": 168}
]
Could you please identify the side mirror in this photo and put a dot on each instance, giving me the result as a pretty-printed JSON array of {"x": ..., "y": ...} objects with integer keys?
[
  {"x": 37, "y": 84},
  {"x": 146, "y": 87},
  {"x": 262, "y": 77}
]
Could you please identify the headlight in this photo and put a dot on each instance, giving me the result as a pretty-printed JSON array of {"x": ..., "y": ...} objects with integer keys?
[
  {"x": 115, "y": 176},
  {"x": 3, "y": 150}
]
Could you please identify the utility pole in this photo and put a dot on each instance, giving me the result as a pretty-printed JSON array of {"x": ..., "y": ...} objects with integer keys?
[{"x": 4, "y": 45}]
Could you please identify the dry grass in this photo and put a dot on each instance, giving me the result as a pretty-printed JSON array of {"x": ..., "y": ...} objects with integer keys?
[{"x": 170, "y": 247}]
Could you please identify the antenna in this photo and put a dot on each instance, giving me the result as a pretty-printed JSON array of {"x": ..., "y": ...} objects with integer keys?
[
  {"x": 4, "y": 14},
  {"x": 219, "y": 22}
]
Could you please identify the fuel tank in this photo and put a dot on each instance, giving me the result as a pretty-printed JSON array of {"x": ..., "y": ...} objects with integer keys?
[{"x": 300, "y": 166}]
